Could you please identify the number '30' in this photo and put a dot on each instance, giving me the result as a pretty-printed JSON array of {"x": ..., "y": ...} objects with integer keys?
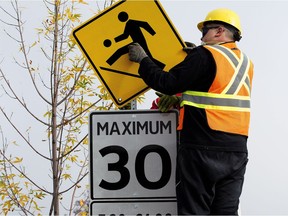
[{"x": 120, "y": 166}]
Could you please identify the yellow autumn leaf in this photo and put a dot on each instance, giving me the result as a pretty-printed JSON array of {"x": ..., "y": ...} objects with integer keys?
[
  {"x": 18, "y": 160},
  {"x": 81, "y": 202},
  {"x": 86, "y": 141},
  {"x": 66, "y": 176},
  {"x": 26, "y": 184},
  {"x": 73, "y": 158},
  {"x": 33, "y": 44},
  {"x": 39, "y": 195},
  {"x": 83, "y": 213},
  {"x": 82, "y": 2},
  {"x": 2, "y": 184},
  {"x": 36, "y": 206},
  {"x": 68, "y": 13}
]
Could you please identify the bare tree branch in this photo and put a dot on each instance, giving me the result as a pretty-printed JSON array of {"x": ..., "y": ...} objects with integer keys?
[
  {"x": 19, "y": 23},
  {"x": 79, "y": 180},
  {"x": 8, "y": 12},
  {"x": 24, "y": 138},
  {"x": 15, "y": 96},
  {"x": 22, "y": 173}
]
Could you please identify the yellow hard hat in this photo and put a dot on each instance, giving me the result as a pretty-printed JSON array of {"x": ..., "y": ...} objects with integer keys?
[{"x": 222, "y": 15}]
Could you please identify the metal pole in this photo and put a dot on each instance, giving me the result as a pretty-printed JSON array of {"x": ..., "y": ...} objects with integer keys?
[{"x": 134, "y": 104}]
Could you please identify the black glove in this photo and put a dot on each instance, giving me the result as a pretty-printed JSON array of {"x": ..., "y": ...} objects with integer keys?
[
  {"x": 189, "y": 47},
  {"x": 166, "y": 102},
  {"x": 136, "y": 53}
]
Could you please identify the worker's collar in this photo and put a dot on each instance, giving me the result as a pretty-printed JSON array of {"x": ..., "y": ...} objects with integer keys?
[{"x": 220, "y": 43}]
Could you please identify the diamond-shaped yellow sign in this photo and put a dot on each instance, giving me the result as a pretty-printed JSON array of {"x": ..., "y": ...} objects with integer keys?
[{"x": 104, "y": 41}]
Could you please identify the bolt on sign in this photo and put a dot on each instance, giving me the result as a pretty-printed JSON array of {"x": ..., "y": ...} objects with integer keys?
[{"x": 104, "y": 41}]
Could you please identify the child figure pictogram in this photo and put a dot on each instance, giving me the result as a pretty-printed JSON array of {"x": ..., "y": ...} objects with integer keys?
[{"x": 132, "y": 29}]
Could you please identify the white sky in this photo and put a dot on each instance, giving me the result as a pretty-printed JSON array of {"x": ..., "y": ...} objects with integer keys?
[{"x": 264, "y": 39}]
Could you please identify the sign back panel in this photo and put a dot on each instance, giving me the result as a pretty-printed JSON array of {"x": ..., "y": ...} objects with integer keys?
[{"x": 104, "y": 41}]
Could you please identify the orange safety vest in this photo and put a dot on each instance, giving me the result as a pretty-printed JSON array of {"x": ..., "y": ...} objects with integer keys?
[{"x": 227, "y": 102}]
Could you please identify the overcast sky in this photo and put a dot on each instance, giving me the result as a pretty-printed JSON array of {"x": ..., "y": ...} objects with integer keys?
[{"x": 265, "y": 31}]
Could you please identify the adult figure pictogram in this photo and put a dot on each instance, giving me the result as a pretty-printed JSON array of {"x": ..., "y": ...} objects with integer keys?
[{"x": 133, "y": 28}]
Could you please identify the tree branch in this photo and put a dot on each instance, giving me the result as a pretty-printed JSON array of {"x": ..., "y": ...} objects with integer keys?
[
  {"x": 74, "y": 85},
  {"x": 79, "y": 180},
  {"x": 76, "y": 146},
  {"x": 19, "y": 100},
  {"x": 76, "y": 116},
  {"x": 24, "y": 138},
  {"x": 22, "y": 173},
  {"x": 22, "y": 43}
]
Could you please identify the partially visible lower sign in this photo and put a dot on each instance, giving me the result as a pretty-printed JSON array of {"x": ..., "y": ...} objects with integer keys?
[{"x": 139, "y": 208}]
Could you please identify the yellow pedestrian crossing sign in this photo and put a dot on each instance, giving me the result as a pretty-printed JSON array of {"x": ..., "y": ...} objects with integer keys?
[{"x": 104, "y": 41}]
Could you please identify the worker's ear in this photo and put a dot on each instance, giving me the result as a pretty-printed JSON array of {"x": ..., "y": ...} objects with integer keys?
[{"x": 219, "y": 31}]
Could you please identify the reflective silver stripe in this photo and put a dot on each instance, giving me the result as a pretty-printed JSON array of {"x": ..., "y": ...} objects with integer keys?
[
  {"x": 213, "y": 101},
  {"x": 239, "y": 76},
  {"x": 240, "y": 73},
  {"x": 228, "y": 99},
  {"x": 228, "y": 53},
  {"x": 247, "y": 81}
]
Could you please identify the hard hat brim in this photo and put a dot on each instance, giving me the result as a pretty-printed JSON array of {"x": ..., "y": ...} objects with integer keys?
[{"x": 200, "y": 26}]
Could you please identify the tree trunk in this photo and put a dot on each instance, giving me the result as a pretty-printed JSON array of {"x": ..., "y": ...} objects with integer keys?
[{"x": 54, "y": 91}]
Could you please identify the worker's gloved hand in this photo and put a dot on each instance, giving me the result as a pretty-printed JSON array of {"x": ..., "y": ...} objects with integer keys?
[
  {"x": 166, "y": 102},
  {"x": 189, "y": 47},
  {"x": 136, "y": 52}
]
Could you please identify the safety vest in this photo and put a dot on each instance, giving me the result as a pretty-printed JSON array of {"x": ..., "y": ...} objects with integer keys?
[{"x": 227, "y": 102}]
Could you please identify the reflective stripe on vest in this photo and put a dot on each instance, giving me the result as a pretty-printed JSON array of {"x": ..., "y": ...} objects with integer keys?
[
  {"x": 241, "y": 66},
  {"x": 228, "y": 98},
  {"x": 216, "y": 101}
]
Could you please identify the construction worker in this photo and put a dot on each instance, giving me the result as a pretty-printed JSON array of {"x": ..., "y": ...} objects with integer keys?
[{"x": 215, "y": 80}]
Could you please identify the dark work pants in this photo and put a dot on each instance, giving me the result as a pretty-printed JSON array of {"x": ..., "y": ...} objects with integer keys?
[{"x": 209, "y": 182}]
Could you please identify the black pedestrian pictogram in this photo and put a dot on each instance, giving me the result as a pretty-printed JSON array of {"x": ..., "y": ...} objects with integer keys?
[
  {"x": 116, "y": 55},
  {"x": 132, "y": 29}
]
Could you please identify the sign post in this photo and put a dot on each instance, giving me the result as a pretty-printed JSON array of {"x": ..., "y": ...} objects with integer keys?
[
  {"x": 104, "y": 41},
  {"x": 133, "y": 162}
]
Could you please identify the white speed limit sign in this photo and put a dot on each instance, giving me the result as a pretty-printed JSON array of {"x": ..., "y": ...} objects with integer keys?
[{"x": 132, "y": 154}]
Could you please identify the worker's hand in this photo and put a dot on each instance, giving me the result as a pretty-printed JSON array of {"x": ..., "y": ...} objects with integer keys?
[
  {"x": 136, "y": 53},
  {"x": 189, "y": 47},
  {"x": 166, "y": 102}
]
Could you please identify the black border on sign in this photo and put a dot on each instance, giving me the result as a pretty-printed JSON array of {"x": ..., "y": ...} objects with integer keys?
[
  {"x": 94, "y": 66},
  {"x": 90, "y": 134}
]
